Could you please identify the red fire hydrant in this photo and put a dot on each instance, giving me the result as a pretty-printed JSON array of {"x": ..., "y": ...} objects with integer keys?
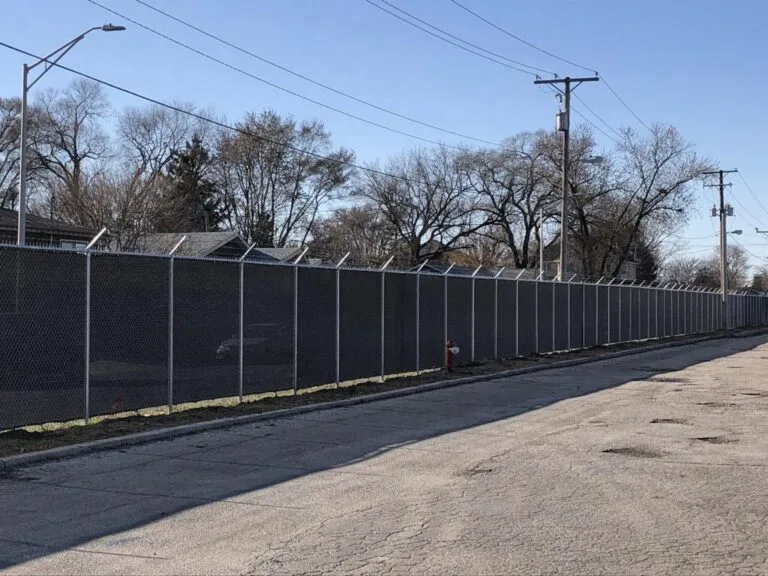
[{"x": 450, "y": 354}]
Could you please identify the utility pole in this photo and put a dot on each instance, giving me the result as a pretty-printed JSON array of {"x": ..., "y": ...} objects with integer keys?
[
  {"x": 724, "y": 212},
  {"x": 563, "y": 125}
]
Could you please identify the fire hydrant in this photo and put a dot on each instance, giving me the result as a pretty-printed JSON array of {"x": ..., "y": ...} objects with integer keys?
[{"x": 450, "y": 354}]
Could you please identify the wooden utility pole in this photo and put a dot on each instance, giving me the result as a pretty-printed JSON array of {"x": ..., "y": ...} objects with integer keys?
[
  {"x": 563, "y": 125},
  {"x": 724, "y": 212}
]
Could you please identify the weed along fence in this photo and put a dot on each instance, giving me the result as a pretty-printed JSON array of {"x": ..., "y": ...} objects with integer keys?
[{"x": 92, "y": 333}]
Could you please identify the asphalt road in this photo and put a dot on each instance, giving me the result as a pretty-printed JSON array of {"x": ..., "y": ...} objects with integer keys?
[{"x": 649, "y": 464}]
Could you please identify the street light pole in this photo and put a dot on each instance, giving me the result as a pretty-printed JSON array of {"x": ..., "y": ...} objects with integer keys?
[{"x": 26, "y": 85}]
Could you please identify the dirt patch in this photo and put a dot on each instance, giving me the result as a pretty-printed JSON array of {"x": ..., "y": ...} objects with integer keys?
[
  {"x": 635, "y": 451},
  {"x": 669, "y": 421},
  {"x": 716, "y": 439}
]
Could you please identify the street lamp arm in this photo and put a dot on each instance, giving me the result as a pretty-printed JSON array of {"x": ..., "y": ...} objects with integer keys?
[{"x": 62, "y": 50}]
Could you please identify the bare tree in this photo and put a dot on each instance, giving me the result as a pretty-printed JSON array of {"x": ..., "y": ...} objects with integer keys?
[
  {"x": 424, "y": 196},
  {"x": 706, "y": 271},
  {"x": 276, "y": 176},
  {"x": 682, "y": 270},
  {"x": 513, "y": 186},
  {"x": 655, "y": 187},
  {"x": 361, "y": 230},
  {"x": 71, "y": 146},
  {"x": 10, "y": 109}
]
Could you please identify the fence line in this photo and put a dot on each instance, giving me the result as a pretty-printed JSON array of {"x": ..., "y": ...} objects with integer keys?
[{"x": 149, "y": 332}]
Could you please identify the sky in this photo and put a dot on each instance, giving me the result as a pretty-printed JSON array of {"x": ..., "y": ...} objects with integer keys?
[{"x": 697, "y": 65}]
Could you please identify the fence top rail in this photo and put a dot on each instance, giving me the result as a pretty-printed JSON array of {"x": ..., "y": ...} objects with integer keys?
[{"x": 488, "y": 273}]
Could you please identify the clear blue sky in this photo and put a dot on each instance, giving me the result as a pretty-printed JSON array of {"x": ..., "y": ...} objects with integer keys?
[{"x": 698, "y": 65}]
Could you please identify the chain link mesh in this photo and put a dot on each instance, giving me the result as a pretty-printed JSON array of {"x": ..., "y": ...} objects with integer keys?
[
  {"x": 167, "y": 330},
  {"x": 42, "y": 336}
]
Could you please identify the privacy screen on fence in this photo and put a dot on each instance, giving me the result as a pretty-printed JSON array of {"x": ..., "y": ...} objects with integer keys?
[{"x": 86, "y": 334}]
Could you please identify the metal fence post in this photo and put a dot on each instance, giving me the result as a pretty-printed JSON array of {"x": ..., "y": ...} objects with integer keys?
[
  {"x": 338, "y": 318},
  {"x": 87, "y": 338},
  {"x": 554, "y": 317},
  {"x": 648, "y": 311},
  {"x": 383, "y": 314},
  {"x": 170, "y": 335},
  {"x": 170, "y": 321},
  {"x": 583, "y": 314},
  {"x": 631, "y": 311},
  {"x": 296, "y": 321},
  {"x": 536, "y": 307},
  {"x": 418, "y": 316},
  {"x": 597, "y": 312},
  {"x": 621, "y": 320},
  {"x": 87, "y": 347},
  {"x": 472, "y": 314},
  {"x": 608, "y": 304},
  {"x": 517, "y": 318},
  {"x": 241, "y": 327},
  {"x": 445, "y": 308},
  {"x": 496, "y": 313}
]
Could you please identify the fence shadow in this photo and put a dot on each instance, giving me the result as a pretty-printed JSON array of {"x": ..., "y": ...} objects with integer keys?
[{"x": 66, "y": 505}]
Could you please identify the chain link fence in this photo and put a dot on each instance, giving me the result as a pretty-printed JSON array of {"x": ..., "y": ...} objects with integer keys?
[{"x": 94, "y": 333}]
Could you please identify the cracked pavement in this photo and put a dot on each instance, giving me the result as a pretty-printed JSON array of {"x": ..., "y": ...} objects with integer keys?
[{"x": 648, "y": 464}]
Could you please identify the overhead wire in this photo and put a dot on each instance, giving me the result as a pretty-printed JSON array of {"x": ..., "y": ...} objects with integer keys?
[
  {"x": 596, "y": 115},
  {"x": 459, "y": 39},
  {"x": 273, "y": 85},
  {"x": 556, "y": 57},
  {"x": 212, "y": 121},
  {"x": 471, "y": 51},
  {"x": 752, "y": 192},
  {"x": 519, "y": 39},
  {"x": 307, "y": 78}
]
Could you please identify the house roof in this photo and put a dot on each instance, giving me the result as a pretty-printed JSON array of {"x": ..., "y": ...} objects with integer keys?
[
  {"x": 196, "y": 244},
  {"x": 275, "y": 254},
  {"x": 9, "y": 221}
]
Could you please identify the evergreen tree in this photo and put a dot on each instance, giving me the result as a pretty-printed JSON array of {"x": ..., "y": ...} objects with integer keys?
[{"x": 191, "y": 202}]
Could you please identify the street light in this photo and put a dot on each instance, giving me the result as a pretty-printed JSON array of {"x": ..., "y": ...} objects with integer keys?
[
  {"x": 736, "y": 232},
  {"x": 25, "y": 87}
]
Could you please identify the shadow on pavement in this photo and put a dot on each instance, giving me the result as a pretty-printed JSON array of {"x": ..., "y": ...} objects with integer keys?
[{"x": 66, "y": 504}]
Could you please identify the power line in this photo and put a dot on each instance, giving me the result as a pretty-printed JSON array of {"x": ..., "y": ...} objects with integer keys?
[
  {"x": 585, "y": 118},
  {"x": 747, "y": 250},
  {"x": 211, "y": 120},
  {"x": 480, "y": 54},
  {"x": 552, "y": 55},
  {"x": 749, "y": 188},
  {"x": 463, "y": 41},
  {"x": 608, "y": 85},
  {"x": 596, "y": 115},
  {"x": 308, "y": 79},
  {"x": 500, "y": 29},
  {"x": 273, "y": 85}
]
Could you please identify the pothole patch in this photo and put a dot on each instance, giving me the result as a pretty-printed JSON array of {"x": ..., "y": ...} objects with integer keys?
[
  {"x": 717, "y": 404},
  {"x": 716, "y": 439},
  {"x": 669, "y": 380},
  {"x": 476, "y": 471},
  {"x": 669, "y": 421},
  {"x": 635, "y": 451}
]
